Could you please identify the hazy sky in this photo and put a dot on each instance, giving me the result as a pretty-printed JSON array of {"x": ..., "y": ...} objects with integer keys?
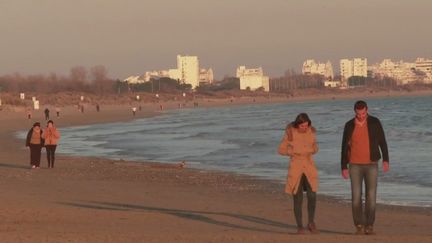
[{"x": 130, "y": 37}]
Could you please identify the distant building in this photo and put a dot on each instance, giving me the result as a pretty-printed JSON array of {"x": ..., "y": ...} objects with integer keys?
[
  {"x": 346, "y": 69},
  {"x": 134, "y": 80},
  {"x": 206, "y": 76},
  {"x": 324, "y": 69},
  {"x": 188, "y": 67},
  {"x": 174, "y": 74},
  {"x": 402, "y": 72},
  {"x": 332, "y": 84},
  {"x": 252, "y": 78},
  {"x": 155, "y": 75},
  {"x": 353, "y": 67},
  {"x": 187, "y": 71},
  {"x": 425, "y": 66}
]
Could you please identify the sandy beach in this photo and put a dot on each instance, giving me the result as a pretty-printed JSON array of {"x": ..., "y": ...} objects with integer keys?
[{"x": 100, "y": 200}]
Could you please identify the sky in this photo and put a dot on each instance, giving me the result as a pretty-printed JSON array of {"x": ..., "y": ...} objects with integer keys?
[{"x": 130, "y": 37}]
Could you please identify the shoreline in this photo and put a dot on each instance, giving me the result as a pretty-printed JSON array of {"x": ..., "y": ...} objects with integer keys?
[
  {"x": 258, "y": 177},
  {"x": 269, "y": 183},
  {"x": 240, "y": 102},
  {"x": 241, "y": 207}
]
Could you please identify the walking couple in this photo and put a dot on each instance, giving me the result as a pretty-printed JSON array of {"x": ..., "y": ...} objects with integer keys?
[
  {"x": 38, "y": 138},
  {"x": 363, "y": 143}
]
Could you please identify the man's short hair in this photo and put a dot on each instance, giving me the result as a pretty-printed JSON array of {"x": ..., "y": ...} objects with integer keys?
[{"x": 360, "y": 105}]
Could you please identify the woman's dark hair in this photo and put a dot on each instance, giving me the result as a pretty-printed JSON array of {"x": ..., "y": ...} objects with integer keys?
[
  {"x": 301, "y": 118},
  {"x": 360, "y": 105},
  {"x": 36, "y": 124},
  {"x": 50, "y": 121}
]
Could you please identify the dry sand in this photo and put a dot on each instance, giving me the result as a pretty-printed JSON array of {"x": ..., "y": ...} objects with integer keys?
[{"x": 99, "y": 200}]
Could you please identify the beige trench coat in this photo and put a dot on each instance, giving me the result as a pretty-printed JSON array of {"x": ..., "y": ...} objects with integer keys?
[{"x": 300, "y": 147}]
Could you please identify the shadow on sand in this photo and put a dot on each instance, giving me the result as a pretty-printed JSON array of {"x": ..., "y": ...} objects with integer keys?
[
  {"x": 15, "y": 166},
  {"x": 202, "y": 216}
]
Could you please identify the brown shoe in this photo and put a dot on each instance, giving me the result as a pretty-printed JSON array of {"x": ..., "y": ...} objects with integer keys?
[
  {"x": 312, "y": 228},
  {"x": 359, "y": 230},
  {"x": 300, "y": 231},
  {"x": 369, "y": 230}
]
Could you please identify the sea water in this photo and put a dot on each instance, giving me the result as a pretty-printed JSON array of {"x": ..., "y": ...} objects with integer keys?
[{"x": 244, "y": 139}]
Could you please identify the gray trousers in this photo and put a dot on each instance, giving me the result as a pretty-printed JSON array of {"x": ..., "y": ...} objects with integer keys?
[
  {"x": 298, "y": 201},
  {"x": 369, "y": 175}
]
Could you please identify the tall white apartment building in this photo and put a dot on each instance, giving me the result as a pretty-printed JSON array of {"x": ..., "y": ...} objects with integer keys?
[
  {"x": 353, "y": 67},
  {"x": 187, "y": 71},
  {"x": 188, "y": 68},
  {"x": 312, "y": 67},
  {"x": 252, "y": 78},
  {"x": 346, "y": 69}
]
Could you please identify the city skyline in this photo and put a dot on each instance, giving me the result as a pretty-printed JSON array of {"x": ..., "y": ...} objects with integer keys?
[{"x": 130, "y": 37}]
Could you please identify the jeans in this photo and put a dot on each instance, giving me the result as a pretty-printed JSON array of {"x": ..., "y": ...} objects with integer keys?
[
  {"x": 50, "y": 149},
  {"x": 298, "y": 201},
  {"x": 368, "y": 174}
]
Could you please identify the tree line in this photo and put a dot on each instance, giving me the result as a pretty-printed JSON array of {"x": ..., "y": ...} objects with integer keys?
[
  {"x": 95, "y": 80},
  {"x": 82, "y": 79}
]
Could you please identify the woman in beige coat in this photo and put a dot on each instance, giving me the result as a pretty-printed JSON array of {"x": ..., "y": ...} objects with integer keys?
[{"x": 299, "y": 143}]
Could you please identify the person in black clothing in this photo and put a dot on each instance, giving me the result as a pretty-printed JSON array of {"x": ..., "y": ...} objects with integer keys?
[
  {"x": 58, "y": 112},
  {"x": 35, "y": 142},
  {"x": 47, "y": 114}
]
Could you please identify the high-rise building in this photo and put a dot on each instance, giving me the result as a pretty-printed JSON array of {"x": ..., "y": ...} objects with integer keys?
[
  {"x": 187, "y": 71},
  {"x": 353, "y": 67},
  {"x": 188, "y": 67},
  {"x": 360, "y": 67},
  {"x": 252, "y": 78},
  {"x": 312, "y": 67}
]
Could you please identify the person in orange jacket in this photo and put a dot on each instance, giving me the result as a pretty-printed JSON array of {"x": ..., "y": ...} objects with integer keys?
[
  {"x": 363, "y": 143},
  {"x": 51, "y": 136}
]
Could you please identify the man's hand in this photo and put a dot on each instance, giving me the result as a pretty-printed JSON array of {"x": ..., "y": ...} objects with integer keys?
[
  {"x": 386, "y": 166},
  {"x": 345, "y": 173}
]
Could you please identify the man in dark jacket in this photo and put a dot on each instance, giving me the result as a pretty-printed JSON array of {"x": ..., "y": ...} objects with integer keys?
[{"x": 363, "y": 143}]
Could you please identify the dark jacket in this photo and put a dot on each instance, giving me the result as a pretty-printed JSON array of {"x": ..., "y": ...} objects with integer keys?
[
  {"x": 377, "y": 141},
  {"x": 29, "y": 134}
]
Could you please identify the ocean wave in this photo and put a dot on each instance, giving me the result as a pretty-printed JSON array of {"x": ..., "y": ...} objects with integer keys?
[
  {"x": 409, "y": 136},
  {"x": 245, "y": 139}
]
